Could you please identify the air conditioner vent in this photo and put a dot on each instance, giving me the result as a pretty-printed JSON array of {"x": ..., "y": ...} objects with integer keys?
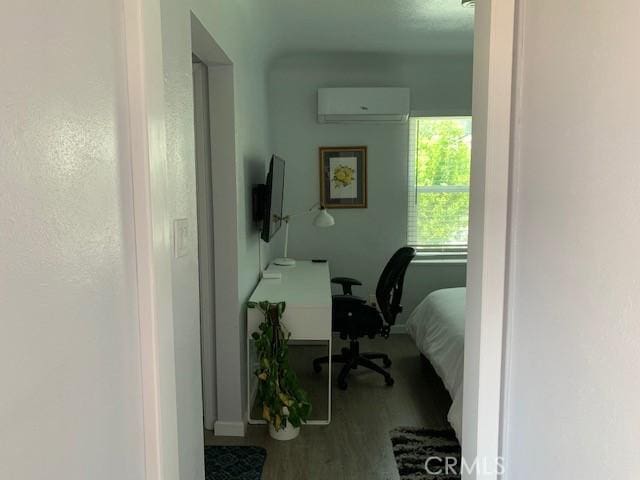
[{"x": 363, "y": 105}]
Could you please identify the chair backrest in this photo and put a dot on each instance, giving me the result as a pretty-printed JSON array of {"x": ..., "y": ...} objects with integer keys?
[{"x": 389, "y": 289}]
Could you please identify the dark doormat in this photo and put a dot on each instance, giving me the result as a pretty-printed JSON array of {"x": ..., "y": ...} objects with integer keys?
[
  {"x": 412, "y": 447},
  {"x": 234, "y": 463}
]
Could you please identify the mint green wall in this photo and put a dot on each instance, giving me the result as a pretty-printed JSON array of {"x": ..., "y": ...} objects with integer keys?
[{"x": 363, "y": 239}]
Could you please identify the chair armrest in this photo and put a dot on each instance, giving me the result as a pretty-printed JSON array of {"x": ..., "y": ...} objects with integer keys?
[{"x": 346, "y": 283}]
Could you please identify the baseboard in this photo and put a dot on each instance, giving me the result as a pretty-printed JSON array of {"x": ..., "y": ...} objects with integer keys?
[
  {"x": 229, "y": 429},
  {"x": 398, "y": 329}
]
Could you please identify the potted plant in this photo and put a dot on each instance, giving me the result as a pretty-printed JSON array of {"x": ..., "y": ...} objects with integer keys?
[{"x": 285, "y": 405}]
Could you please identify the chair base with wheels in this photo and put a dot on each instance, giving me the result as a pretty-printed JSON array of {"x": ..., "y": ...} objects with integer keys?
[{"x": 352, "y": 359}]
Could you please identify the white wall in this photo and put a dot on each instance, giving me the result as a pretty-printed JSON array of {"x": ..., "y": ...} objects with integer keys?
[
  {"x": 363, "y": 239},
  {"x": 69, "y": 349},
  {"x": 573, "y": 388},
  {"x": 239, "y": 29}
]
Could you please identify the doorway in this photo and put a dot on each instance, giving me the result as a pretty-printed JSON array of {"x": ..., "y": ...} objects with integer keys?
[
  {"x": 215, "y": 134},
  {"x": 492, "y": 118},
  {"x": 206, "y": 256}
]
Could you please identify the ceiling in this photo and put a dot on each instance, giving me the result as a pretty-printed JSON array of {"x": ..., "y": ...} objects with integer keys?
[{"x": 373, "y": 26}]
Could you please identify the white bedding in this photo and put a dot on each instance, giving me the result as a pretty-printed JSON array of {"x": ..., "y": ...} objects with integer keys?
[{"x": 437, "y": 326}]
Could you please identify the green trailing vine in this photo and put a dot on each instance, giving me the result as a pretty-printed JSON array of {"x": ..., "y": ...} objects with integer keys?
[{"x": 279, "y": 392}]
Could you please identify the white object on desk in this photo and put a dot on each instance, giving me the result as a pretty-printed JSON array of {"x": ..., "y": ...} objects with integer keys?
[
  {"x": 306, "y": 289},
  {"x": 271, "y": 275}
]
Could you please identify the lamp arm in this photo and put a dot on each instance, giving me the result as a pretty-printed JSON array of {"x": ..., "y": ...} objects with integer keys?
[
  {"x": 286, "y": 261},
  {"x": 288, "y": 217}
]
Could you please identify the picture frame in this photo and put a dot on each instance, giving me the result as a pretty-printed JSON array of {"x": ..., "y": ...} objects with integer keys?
[{"x": 343, "y": 177}]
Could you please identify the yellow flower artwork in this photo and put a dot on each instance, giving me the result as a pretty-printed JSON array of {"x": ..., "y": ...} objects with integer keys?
[{"x": 343, "y": 176}]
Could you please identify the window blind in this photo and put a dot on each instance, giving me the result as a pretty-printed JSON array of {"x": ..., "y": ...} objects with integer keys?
[
  {"x": 412, "y": 226},
  {"x": 438, "y": 194}
]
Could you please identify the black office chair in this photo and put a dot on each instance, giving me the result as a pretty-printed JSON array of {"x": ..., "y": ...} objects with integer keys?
[{"x": 354, "y": 318}]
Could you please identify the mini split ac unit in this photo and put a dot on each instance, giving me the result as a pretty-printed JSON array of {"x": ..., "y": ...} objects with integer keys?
[{"x": 363, "y": 105}]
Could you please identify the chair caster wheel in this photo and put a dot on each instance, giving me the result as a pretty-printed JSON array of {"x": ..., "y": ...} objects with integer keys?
[
  {"x": 386, "y": 362},
  {"x": 389, "y": 381},
  {"x": 342, "y": 385},
  {"x": 317, "y": 368}
]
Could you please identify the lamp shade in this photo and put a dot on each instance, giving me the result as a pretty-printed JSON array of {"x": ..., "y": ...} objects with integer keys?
[{"x": 324, "y": 219}]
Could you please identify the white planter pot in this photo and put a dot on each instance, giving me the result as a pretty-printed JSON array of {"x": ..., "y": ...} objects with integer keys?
[{"x": 288, "y": 433}]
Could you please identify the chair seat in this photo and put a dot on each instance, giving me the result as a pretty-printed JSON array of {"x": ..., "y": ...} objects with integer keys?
[{"x": 349, "y": 299}]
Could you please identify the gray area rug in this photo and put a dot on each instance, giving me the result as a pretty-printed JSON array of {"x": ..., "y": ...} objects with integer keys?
[
  {"x": 234, "y": 463},
  {"x": 413, "y": 446}
]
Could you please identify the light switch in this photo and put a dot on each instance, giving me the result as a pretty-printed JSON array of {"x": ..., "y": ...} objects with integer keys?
[{"x": 181, "y": 237}]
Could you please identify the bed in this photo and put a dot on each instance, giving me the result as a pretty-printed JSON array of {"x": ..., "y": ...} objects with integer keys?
[{"x": 437, "y": 327}]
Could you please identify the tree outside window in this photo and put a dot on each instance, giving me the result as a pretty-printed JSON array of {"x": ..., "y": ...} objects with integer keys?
[{"x": 439, "y": 181}]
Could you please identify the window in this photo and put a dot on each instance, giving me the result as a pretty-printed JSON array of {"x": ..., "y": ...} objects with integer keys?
[{"x": 439, "y": 172}]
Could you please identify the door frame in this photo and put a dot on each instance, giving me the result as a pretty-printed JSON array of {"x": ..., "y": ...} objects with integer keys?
[
  {"x": 220, "y": 75},
  {"x": 225, "y": 219},
  {"x": 484, "y": 368},
  {"x": 487, "y": 260},
  {"x": 152, "y": 225},
  {"x": 206, "y": 246}
]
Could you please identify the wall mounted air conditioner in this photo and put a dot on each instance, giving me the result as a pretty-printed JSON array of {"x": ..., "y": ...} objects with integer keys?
[{"x": 363, "y": 105}]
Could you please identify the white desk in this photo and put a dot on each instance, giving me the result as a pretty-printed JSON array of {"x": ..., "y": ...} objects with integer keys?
[{"x": 306, "y": 289}]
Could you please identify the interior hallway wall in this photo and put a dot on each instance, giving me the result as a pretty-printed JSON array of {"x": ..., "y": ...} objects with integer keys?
[
  {"x": 573, "y": 388},
  {"x": 71, "y": 401}
]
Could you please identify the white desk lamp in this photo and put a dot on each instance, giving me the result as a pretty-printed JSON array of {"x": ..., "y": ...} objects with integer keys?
[{"x": 323, "y": 220}]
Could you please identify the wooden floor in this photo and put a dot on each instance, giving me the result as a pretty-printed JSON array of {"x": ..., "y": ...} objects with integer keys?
[{"x": 356, "y": 444}]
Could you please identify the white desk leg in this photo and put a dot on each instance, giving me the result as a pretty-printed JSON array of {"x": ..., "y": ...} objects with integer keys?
[
  {"x": 330, "y": 382},
  {"x": 249, "y": 404},
  {"x": 328, "y": 420}
]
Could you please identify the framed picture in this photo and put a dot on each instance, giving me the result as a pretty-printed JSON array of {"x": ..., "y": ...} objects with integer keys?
[{"x": 343, "y": 177}]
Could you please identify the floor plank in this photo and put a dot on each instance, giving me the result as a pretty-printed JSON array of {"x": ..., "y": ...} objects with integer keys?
[{"x": 356, "y": 444}]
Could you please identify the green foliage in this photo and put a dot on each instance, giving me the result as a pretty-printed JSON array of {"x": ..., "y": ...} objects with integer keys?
[
  {"x": 443, "y": 159},
  {"x": 279, "y": 390}
]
